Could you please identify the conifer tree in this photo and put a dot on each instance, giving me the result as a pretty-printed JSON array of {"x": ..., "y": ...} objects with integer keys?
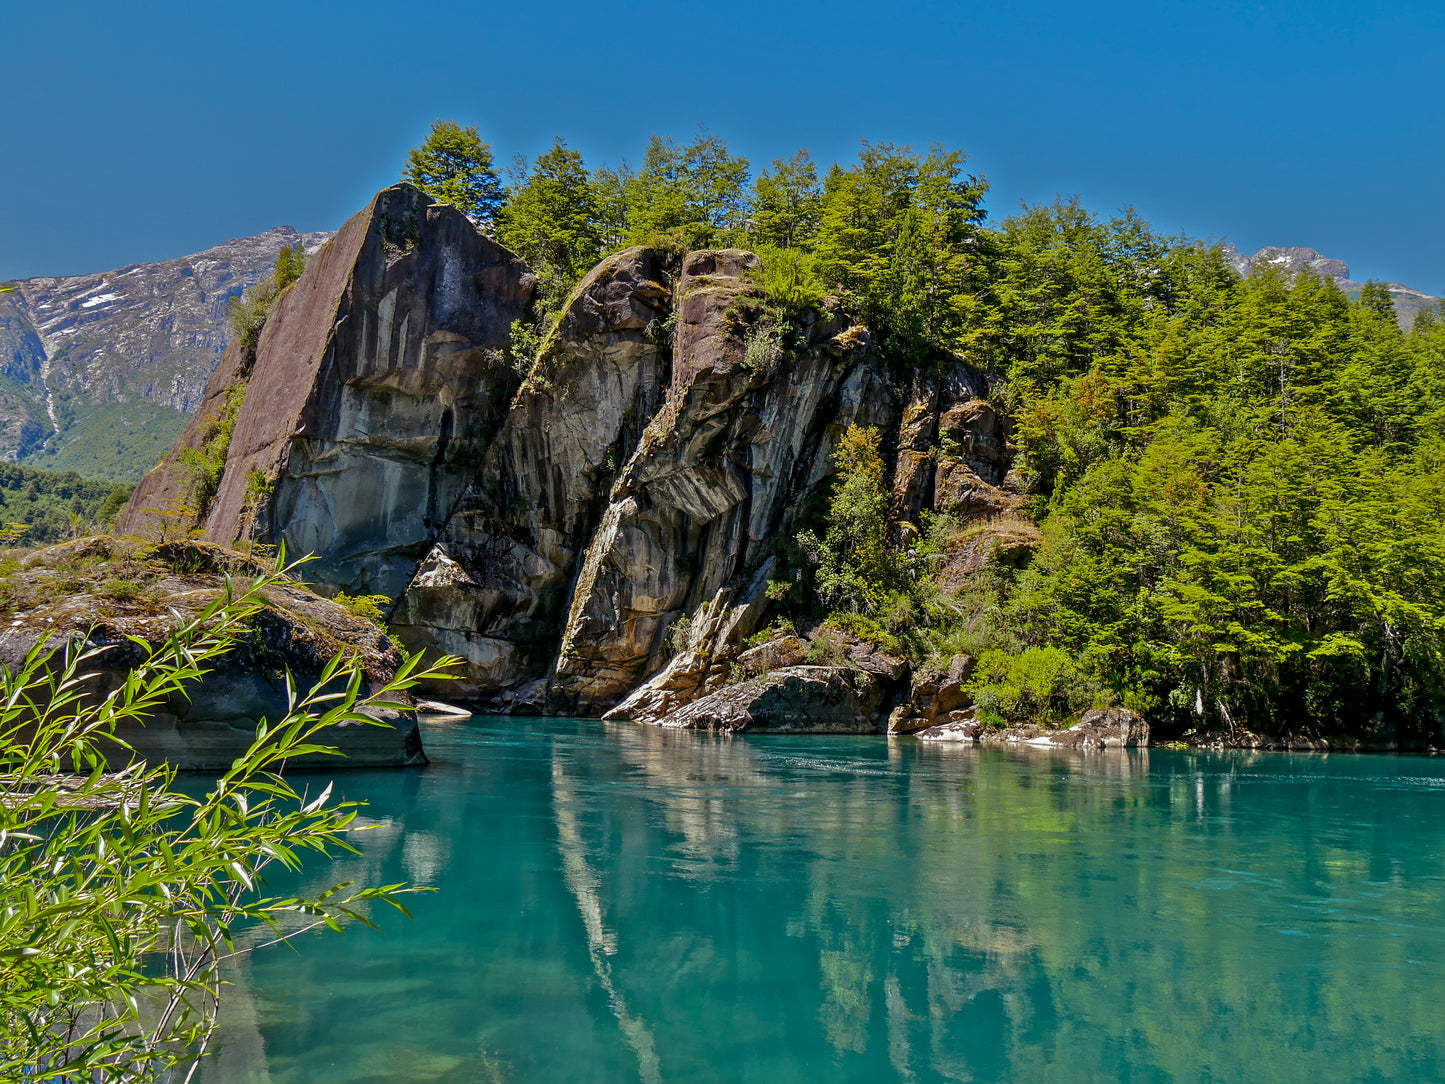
[{"x": 453, "y": 165}]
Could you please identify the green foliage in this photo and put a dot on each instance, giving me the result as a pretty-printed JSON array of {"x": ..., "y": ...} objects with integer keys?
[
  {"x": 868, "y": 629},
  {"x": 789, "y": 278},
  {"x": 894, "y": 236},
  {"x": 41, "y": 504},
  {"x": 697, "y": 192},
  {"x": 121, "y": 893},
  {"x": 781, "y": 627},
  {"x": 855, "y": 565},
  {"x": 204, "y": 466},
  {"x": 1239, "y": 495},
  {"x": 1039, "y": 685},
  {"x": 289, "y": 264},
  {"x": 247, "y": 316},
  {"x": 117, "y": 442},
  {"x": 679, "y": 635},
  {"x": 371, "y": 607},
  {"x": 248, "y": 313},
  {"x": 787, "y": 204},
  {"x": 762, "y": 347},
  {"x": 453, "y": 165},
  {"x": 551, "y": 220}
]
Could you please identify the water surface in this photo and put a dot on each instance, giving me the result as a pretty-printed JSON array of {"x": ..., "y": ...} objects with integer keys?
[{"x": 617, "y": 903}]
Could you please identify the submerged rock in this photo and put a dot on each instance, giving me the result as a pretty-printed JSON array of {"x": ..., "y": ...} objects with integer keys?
[{"x": 112, "y": 592}]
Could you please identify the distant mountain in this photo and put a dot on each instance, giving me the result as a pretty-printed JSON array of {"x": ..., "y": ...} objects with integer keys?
[
  {"x": 99, "y": 373},
  {"x": 1409, "y": 302}
]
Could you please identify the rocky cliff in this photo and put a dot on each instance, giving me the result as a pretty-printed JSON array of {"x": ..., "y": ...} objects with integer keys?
[
  {"x": 98, "y": 373},
  {"x": 598, "y": 536}
]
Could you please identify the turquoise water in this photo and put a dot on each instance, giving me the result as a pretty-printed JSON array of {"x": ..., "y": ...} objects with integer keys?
[{"x": 617, "y": 903}]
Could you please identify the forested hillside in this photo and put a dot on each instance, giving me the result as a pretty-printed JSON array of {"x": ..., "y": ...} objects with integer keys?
[
  {"x": 39, "y": 507},
  {"x": 1238, "y": 481}
]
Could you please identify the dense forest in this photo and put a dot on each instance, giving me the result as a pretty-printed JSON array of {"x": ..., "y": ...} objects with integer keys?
[
  {"x": 39, "y": 507},
  {"x": 1237, "y": 482}
]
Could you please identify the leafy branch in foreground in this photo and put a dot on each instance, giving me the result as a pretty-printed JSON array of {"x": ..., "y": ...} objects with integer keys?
[{"x": 121, "y": 896}]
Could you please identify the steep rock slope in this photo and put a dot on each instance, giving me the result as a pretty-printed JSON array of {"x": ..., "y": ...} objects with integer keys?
[
  {"x": 602, "y": 540},
  {"x": 95, "y": 368},
  {"x": 493, "y": 588},
  {"x": 377, "y": 385},
  {"x": 724, "y": 472}
]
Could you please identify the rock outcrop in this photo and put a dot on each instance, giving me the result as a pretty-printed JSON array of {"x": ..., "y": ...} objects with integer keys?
[
  {"x": 599, "y": 537},
  {"x": 796, "y": 700},
  {"x": 493, "y": 588},
  {"x": 934, "y": 692},
  {"x": 117, "y": 592},
  {"x": 378, "y": 384},
  {"x": 725, "y": 466},
  {"x": 1100, "y": 728}
]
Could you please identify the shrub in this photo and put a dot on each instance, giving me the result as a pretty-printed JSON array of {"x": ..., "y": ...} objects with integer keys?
[
  {"x": 1038, "y": 685},
  {"x": 371, "y": 607},
  {"x": 790, "y": 278},
  {"x": 119, "y": 891}
]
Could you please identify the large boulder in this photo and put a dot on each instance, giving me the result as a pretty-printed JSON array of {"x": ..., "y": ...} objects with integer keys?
[
  {"x": 379, "y": 381},
  {"x": 795, "y": 700},
  {"x": 934, "y": 691},
  {"x": 114, "y": 593}
]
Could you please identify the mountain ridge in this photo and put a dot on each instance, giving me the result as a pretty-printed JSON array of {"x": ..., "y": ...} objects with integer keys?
[
  {"x": 1409, "y": 302},
  {"x": 99, "y": 372}
]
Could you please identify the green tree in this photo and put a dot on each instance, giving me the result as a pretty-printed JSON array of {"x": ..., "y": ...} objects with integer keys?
[
  {"x": 787, "y": 203},
  {"x": 290, "y": 262},
  {"x": 894, "y": 236},
  {"x": 551, "y": 221},
  {"x": 122, "y": 894},
  {"x": 453, "y": 165},
  {"x": 696, "y": 193}
]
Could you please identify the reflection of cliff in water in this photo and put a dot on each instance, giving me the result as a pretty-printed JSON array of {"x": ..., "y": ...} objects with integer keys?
[{"x": 626, "y": 903}]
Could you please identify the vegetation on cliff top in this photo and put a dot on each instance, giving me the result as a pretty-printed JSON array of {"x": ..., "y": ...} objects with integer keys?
[{"x": 1238, "y": 480}]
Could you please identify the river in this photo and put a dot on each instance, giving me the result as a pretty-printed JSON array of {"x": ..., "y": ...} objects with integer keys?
[{"x": 618, "y": 903}]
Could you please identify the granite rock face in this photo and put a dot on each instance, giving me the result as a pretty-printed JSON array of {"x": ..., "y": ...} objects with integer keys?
[
  {"x": 597, "y": 538},
  {"x": 724, "y": 467},
  {"x": 493, "y": 588},
  {"x": 378, "y": 384},
  {"x": 69, "y": 592}
]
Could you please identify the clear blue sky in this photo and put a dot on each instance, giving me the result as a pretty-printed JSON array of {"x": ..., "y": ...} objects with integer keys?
[{"x": 143, "y": 131}]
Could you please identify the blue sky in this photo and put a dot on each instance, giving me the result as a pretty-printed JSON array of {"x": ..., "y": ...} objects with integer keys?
[{"x": 136, "y": 132}]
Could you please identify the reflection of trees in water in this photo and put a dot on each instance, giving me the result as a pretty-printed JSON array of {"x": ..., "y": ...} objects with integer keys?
[
  {"x": 961, "y": 914},
  {"x": 1038, "y": 908}
]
